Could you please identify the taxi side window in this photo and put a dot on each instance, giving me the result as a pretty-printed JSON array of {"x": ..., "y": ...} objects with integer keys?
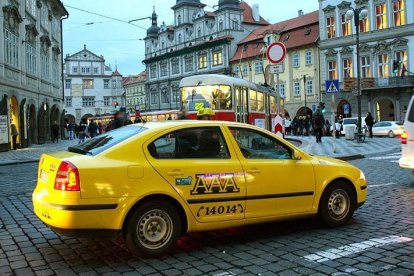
[
  {"x": 190, "y": 143},
  {"x": 256, "y": 145}
]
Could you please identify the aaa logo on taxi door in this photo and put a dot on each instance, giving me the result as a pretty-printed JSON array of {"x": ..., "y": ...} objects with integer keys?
[{"x": 214, "y": 184}]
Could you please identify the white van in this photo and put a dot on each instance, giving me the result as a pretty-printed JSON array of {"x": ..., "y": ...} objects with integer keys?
[{"x": 407, "y": 139}]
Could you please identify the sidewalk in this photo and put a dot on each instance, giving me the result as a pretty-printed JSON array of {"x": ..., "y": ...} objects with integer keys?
[{"x": 345, "y": 149}]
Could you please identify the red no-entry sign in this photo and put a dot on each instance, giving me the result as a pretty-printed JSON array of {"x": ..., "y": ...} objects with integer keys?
[{"x": 276, "y": 52}]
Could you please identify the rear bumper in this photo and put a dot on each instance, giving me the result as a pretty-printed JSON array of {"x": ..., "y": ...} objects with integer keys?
[{"x": 88, "y": 233}]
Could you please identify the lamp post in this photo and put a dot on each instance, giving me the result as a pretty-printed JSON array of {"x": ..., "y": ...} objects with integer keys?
[{"x": 357, "y": 14}]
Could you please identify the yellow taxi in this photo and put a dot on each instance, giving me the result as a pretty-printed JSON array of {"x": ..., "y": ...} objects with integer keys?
[{"x": 152, "y": 182}]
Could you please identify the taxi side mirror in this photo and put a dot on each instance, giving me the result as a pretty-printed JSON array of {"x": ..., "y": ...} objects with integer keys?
[{"x": 297, "y": 155}]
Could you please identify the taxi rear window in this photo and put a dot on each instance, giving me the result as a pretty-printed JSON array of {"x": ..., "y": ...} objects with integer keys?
[{"x": 106, "y": 140}]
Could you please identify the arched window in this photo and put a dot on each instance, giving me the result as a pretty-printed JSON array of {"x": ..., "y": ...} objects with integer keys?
[
  {"x": 235, "y": 24},
  {"x": 179, "y": 19},
  {"x": 179, "y": 38},
  {"x": 199, "y": 32},
  {"x": 220, "y": 25}
]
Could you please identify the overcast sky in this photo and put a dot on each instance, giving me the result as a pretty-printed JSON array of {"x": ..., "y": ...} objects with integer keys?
[{"x": 103, "y": 25}]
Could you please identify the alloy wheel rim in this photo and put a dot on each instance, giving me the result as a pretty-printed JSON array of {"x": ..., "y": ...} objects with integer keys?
[
  {"x": 154, "y": 229},
  {"x": 338, "y": 204}
]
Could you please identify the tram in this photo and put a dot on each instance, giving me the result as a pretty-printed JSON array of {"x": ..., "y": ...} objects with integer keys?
[{"x": 231, "y": 99}]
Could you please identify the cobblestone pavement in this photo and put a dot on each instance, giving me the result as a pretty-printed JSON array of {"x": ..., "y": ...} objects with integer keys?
[{"x": 379, "y": 240}]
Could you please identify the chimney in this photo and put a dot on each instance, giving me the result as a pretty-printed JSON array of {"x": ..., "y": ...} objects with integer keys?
[
  {"x": 300, "y": 13},
  {"x": 255, "y": 13}
]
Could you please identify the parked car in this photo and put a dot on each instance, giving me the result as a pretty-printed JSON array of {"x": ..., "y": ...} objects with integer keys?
[
  {"x": 387, "y": 128},
  {"x": 352, "y": 121},
  {"x": 407, "y": 139},
  {"x": 152, "y": 182}
]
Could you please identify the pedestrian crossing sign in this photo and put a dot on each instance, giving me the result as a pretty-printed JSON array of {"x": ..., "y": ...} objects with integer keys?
[{"x": 332, "y": 86}]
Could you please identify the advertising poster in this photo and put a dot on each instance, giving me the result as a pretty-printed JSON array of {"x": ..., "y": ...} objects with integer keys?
[{"x": 4, "y": 130}]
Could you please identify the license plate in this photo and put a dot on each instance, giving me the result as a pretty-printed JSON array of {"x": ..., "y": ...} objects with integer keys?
[{"x": 44, "y": 175}]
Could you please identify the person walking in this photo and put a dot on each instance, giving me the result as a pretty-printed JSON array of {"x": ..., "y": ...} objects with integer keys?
[
  {"x": 318, "y": 123},
  {"x": 369, "y": 121},
  {"x": 55, "y": 132},
  {"x": 119, "y": 120},
  {"x": 14, "y": 133},
  {"x": 82, "y": 131},
  {"x": 71, "y": 128},
  {"x": 92, "y": 129}
]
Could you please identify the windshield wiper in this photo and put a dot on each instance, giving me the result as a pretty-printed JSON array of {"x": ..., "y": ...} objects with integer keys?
[{"x": 78, "y": 150}]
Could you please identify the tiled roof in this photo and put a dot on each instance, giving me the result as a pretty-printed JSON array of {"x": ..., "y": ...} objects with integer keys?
[
  {"x": 141, "y": 77},
  {"x": 248, "y": 15},
  {"x": 299, "y": 31},
  {"x": 116, "y": 73}
]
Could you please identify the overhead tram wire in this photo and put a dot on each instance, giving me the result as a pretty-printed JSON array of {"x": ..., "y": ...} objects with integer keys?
[{"x": 105, "y": 16}]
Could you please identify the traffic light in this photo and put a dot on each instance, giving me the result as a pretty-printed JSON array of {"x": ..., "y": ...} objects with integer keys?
[
  {"x": 395, "y": 67},
  {"x": 322, "y": 106}
]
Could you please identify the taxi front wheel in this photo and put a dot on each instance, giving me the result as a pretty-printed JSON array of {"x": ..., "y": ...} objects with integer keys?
[
  {"x": 337, "y": 204},
  {"x": 153, "y": 229}
]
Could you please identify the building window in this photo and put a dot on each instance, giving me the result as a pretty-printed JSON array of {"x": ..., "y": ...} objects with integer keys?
[
  {"x": 154, "y": 98},
  {"x": 175, "y": 66},
  {"x": 165, "y": 96},
  {"x": 365, "y": 67},
  {"x": 309, "y": 87},
  {"x": 95, "y": 70},
  {"x": 85, "y": 69},
  {"x": 364, "y": 25},
  {"x": 282, "y": 89},
  {"x": 202, "y": 61},
  {"x": 308, "y": 57},
  {"x": 296, "y": 89},
  {"x": 30, "y": 59},
  {"x": 383, "y": 66},
  {"x": 347, "y": 68},
  {"x": 87, "y": 84},
  {"x": 330, "y": 26},
  {"x": 107, "y": 101},
  {"x": 220, "y": 25},
  {"x": 153, "y": 71},
  {"x": 401, "y": 57},
  {"x": 256, "y": 101},
  {"x": 217, "y": 58},
  {"x": 189, "y": 64},
  {"x": 296, "y": 60},
  {"x": 68, "y": 84},
  {"x": 106, "y": 84},
  {"x": 74, "y": 69},
  {"x": 235, "y": 24},
  {"x": 236, "y": 70},
  {"x": 88, "y": 101},
  {"x": 381, "y": 16},
  {"x": 31, "y": 7},
  {"x": 163, "y": 69},
  {"x": 258, "y": 67},
  {"x": 68, "y": 101},
  {"x": 179, "y": 19},
  {"x": 346, "y": 25},
  {"x": 332, "y": 70},
  {"x": 45, "y": 66},
  {"x": 113, "y": 83},
  {"x": 399, "y": 12},
  {"x": 176, "y": 94},
  {"x": 11, "y": 48},
  {"x": 245, "y": 69}
]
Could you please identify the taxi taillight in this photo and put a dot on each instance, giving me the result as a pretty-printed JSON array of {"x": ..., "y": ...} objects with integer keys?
[
  {"x": 404, "y": 137},
  {"x": 67, "y": 177}
]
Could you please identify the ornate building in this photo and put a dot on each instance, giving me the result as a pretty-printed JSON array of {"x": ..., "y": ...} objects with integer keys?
[
  {"x": 30, "y": 69},
  {"x": 199, "y": 42},
  {"x": 386, "y": 39},
  {"x": 91, "y": 87}
]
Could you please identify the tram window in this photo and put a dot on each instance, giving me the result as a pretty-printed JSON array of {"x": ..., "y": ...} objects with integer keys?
[
  {"x": 257, "y": 145},
  {"x": 260, "y": 102},
  {"x": 253, "y": 100}
]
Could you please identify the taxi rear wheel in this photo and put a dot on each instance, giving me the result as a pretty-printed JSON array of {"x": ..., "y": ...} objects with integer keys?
[
  {"x": 153, "y": 229},
  {"x": 337, "y": 204}
]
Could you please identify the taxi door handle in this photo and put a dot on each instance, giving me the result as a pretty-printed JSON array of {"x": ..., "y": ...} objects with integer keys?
[
  {"x": 253, "y": 171},
  {"x": 175, "y": 173}
]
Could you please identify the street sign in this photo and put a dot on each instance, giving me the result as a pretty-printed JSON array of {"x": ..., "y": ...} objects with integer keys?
[
  {"x": 276, "y": 52},
  {"x": 276, "y": 69},
  {"x": 137, "y": 108},
  {"x": 332, "y": 86}
]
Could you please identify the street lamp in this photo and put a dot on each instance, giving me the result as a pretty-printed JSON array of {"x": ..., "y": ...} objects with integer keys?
[{"x": 357, "y": 14}]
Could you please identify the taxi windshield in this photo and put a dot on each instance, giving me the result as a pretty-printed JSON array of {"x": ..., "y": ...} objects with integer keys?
[{"x": 106, "y": 140}]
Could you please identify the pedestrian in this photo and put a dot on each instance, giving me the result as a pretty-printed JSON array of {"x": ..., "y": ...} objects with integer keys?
[
  {"x": 369, "y": 121},
  {"x": 14, "y": 133},
  {"x": 92, "y": 129},
  {"x": 119, "y": 120},
  {"x": 82, "y": 131},
  {"x": 72, "y": 127},
  {"x": 182, "y": 115},
  {"x": 55, "y": 132},
  {"x": 318, "y": 123}
]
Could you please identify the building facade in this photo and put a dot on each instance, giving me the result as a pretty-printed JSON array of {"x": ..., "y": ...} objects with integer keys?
[
  {"x": 298, "y": 84},
  {"x": 31, "y": 94},
  {"x": 91, "y": 87},
  {"x": 199, "y": 42},
  {"x": 386, "y": 43},
  {"x": 135, "y": 92}
]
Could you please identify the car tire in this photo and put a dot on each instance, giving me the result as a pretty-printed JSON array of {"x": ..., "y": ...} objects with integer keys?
[
  {"x": 153, "y": 229},
  {"x": 337, "y": 204},
  {"x": 391, "y": 134}
]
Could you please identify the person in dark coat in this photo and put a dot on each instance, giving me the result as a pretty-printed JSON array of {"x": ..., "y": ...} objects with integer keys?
[
  {"x": 119, "y": 120},
  {"x": 14, "y": 133},
  {"x": 55, "y": 132},
  {"x": 369, "y": 121}
]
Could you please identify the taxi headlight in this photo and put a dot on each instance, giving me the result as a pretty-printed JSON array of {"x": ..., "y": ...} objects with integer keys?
[{"x": 361, "y": 175}]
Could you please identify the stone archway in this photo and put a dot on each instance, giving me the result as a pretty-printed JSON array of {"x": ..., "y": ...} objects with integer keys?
[
  {"x": 301, "y": 111},
  {"x": 43, "y": 123},
  {"x": 14, "y": 118},
  {"x": 32, "y": 124},
  {"x": 384, "y": 110}
]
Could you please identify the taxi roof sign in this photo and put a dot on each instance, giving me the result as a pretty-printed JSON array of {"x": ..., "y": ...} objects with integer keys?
[{"x": 205, "y": 111}]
